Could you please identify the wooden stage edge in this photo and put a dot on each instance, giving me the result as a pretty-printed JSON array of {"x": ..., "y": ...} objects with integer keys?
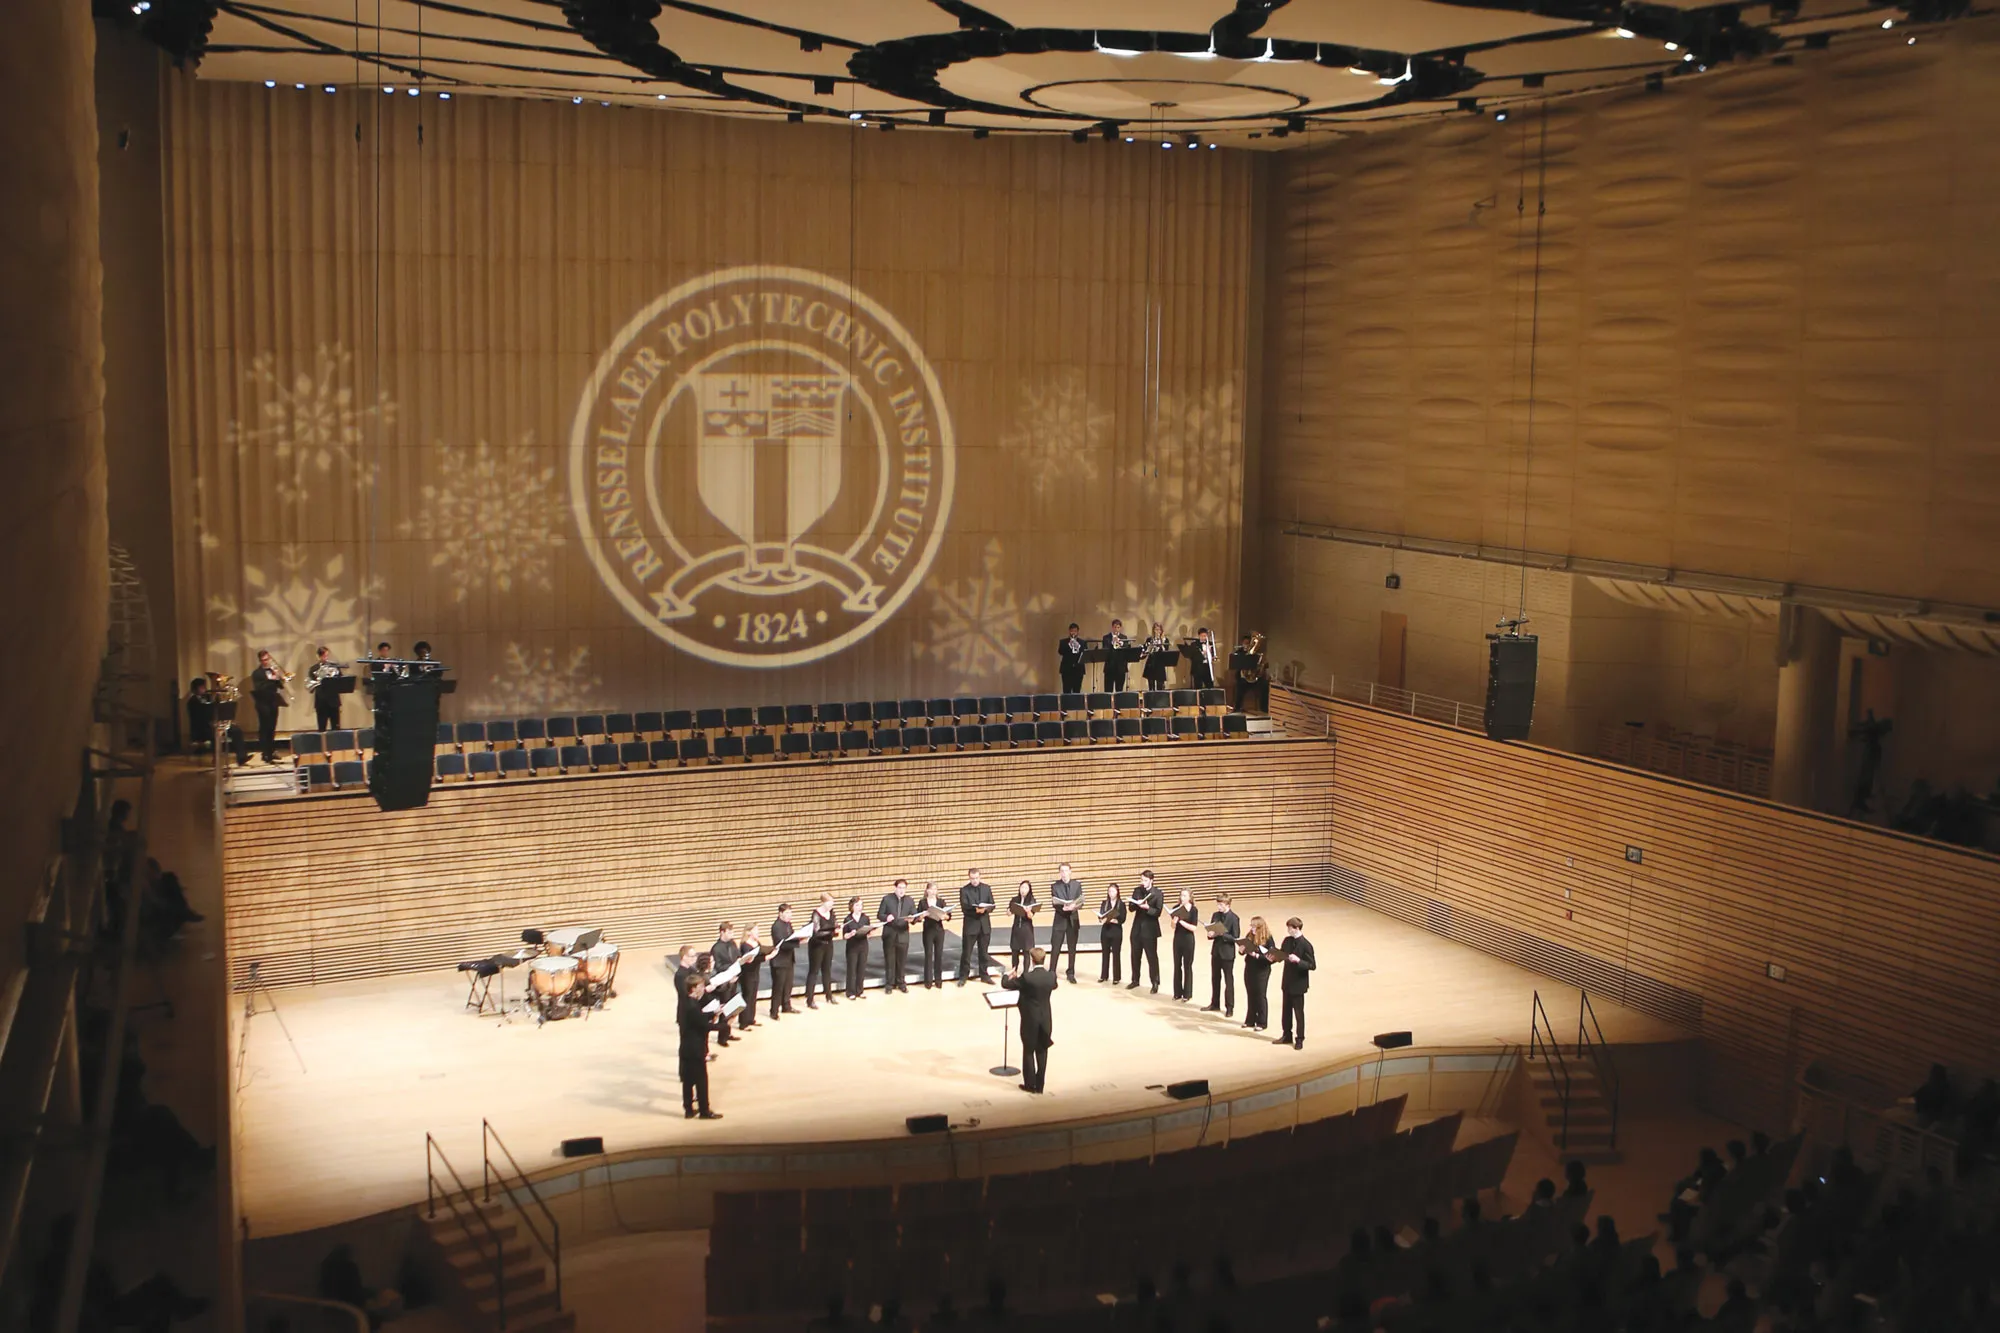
[{"x": 334, "y": 1105}]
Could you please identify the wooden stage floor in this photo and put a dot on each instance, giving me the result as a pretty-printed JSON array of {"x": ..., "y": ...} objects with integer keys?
[{"x": 388, "y": 1059}]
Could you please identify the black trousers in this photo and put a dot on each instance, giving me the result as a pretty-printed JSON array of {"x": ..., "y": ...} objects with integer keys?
[
  {"x": 1072, "y": 679},
  {"x": 1183, "y": 965},
  {"x": 1257, "y": 996},
  {"x": 857, "y": 966},
  {"x": 1146, "y": 949},
  {"x": 267, "y": 729},
  {"x": 895, "y": 958},
  {"x": 819, "y": 966},
  {"x": 1200, "y": 679},
  {"x": 1018, "y": 945},
  {"x": 721, "y": 1024},
  {"x": 1222, "y": 980},
  {"x": 1063, "y": 929},
  {"x": 694, "y": 1083},
  {"x": 781, "y": 986},
  {"x": 327, "y": 712},
  {"x": 1110, "y": 961},
  {"x": 749, "y": 985},
  {"x": 972, "y": 956},
  {"x": 1294, "y": 1006},
  {"x": 1114, "y": 677},
  {"x": 1259, "y": 694},
  {"x": 1034, "y": 1066},
  {"x": 933, "y": 954}
]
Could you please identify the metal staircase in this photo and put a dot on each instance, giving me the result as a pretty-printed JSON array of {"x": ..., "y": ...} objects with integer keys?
[
  {"x": 498, "y": 1250},
  {"x": 1576, "y": 1092}
]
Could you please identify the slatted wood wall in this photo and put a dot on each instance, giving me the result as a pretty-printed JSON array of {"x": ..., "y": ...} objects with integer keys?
[
  {"x": 1890, "y": 945},
  {"x": 327, "y": 890}
]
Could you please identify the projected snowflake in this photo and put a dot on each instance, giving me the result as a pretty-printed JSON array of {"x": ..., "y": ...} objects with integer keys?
[
  {"x": 979, "y": 628},
  {"x": 292, "y": 614},
  {"x": 1177, "y": 609},
  {"x": 1190, "y": 469},
  {"x": 310, "y": 421},
  {"x": 1058, "y": 432},
  {"x": 532, "y": 682},
  {"x": 493, "y": 516}
]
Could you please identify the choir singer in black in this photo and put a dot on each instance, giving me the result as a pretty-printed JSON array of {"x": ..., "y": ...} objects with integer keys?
[
  {"x": 1035, "y": 984},
  {"x": 1111, "y": 936},
  {"x": 935, "y": 912},
  {"x": 1297, "y": 951},
  {"x": 724, "y": 952},
  {"x": 1069, "y": 661},
  {"x": 693, "y": 1023},
  {"x": 1259, "y": 952},
  {"x": 1147, "y": 903},
  {"x": 894, "y": 914},
  {"x": 1187, "y": 920},
  {"x": 753, "y": 964},
  {"x": 820, "y": 930},
  {"x": 1224, "y": 929},
  {"x": 1021, "y": 910},
  {"x": 855, "y": 930},
  {"x": 784, "y": 959},
  {"x": 976, "y": 901},
  {"x": 1066, "y": 899}
]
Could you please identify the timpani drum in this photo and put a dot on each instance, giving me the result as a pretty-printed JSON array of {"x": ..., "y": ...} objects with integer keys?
[
  {"x": 600, "y": 965},
  {"x": 550, "y": 979}
]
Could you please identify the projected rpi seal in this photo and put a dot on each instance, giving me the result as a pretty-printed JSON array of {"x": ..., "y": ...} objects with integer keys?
[{"x": 761, "y": 466}]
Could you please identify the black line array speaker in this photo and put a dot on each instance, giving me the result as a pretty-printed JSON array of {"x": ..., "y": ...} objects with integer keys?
[
  {"x": 1188, "y": 1089},
  {"x": 1510, "y": 686},
  {"x": 589, "y": 1147},
  {"x": 406, "y": 723},
  {"x": 927, "y": 1124}
]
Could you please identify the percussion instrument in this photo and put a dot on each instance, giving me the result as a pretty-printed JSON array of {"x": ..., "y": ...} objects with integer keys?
[
  {"x": 551, "y": 978},
  {"x": 599, "y": 964},
  {"x": 572, "y": 939}
]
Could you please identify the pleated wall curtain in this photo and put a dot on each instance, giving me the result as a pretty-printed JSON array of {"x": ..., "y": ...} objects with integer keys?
[{"x": 598, "y": 401}]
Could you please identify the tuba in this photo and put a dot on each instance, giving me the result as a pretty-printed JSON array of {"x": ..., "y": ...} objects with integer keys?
[{"x": 1252, "y": 670}]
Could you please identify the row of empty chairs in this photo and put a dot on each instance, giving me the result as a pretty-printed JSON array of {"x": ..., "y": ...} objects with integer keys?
[{"x": 781, "y": 719}]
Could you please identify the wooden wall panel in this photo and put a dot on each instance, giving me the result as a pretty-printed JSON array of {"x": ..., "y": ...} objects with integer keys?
[
  {"x": 330, "y": 889},
  {"x": 1890, "y": 945},
  {"x": 1755, "y": 345}
]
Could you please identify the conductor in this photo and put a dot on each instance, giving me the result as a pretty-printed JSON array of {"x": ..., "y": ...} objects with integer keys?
[{"x": 1035, "y": 984}]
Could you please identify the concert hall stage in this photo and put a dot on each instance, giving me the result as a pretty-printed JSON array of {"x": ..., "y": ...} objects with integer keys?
[{"x": 388, "y": 1059}]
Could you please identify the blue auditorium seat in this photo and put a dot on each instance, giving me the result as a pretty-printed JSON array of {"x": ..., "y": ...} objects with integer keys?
[
  {"x": 575, "y": 758},
  {"x": 1183, "y": 727},
  {"x": 604, "y": 754},
  {"x": 917, "y": 709},
  {"x": 1126, "y": 701},
  {"x": 648, "y": 724},
  {"x": 1048, "y": 729},
  {"x": 482, "y": 764},
  {"x": 562, "y": 728},
  {"x": 1235, "y": 724},
  {"x": 853, "y": 741},
  {"x": 678, "y": 719},
  {"x": 709, "y": 719},
  {"x": 728, "y": 747},
  {"x": 513, "y": 761},
  {"x": 449, "y": 765},
  {"x": 1103, "y": 729},
  {"x": 500, "y": 732},
  {"x": 760, "y": 745},
  {"x": 964, "y": 706},
  {"x": 349, "y": 773},
  {"x": 1128, "y": 728},
  {"x": 993, "y": 733},
  {"x": 1157, "y": 701},
  {"x": 619, "y": 724},
  {"x": 588, "y": 725},
  {"x": 916, "y": 738},
  {"x": 794, "y": 743},
  {"x": 739, "y": 719},
  {"x": 545, "y": 759},
  {"x": 319, "y": 777},
  {"x": 826, "y": 742},
  {"x": 1046, "y": 705},
  {"x": 886, "y": 710},
  {"x": 528, "y": 729},
  {"x": 992, "y": 707},
  {"x": 1097, "y": 703},
  {"x": 447, "y": 734},
  {"x": 471, "y": 733},
  {"x": 1213, "y": 698},
  {"x": 936, "y": 709},
  {"x": 1020, "y": 706},
  {"x": 770, "y": 716},
  {"x": 694, "y": 747},
  {"x": 1153, "y": 728},
  {"x": 1020, "y": 733},
  {"x": 306, "y": 744},
  {"x": 663, "y": 751},
  {"x": 826, "y": 713},
  {"x": 364, "y": 739},
  {"x": 967, "y": 734},
  {"x": 798, "y": 715},
  {"x": 888, "y": 738},
  {"x": 1208, "y": 724},
  {"x": 632, "y": 753},
  {"x": 858, "y": 711},
  {"x": 1186, "y": 699},
  {"x": 1075, "y": 703},
  {"x": 1076, "y": 729}
]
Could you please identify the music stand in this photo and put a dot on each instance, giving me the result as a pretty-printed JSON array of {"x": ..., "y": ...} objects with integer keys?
[
  {"x": 1006, "y": 1001},
  {"x": 1385, "y": 1042}
]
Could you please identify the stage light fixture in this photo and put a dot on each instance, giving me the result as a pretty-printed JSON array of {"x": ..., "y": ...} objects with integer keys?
[
  {"x": 388, "y": 89},
  {"x": 854, "y": 115},
  {"x": 1687, "y": 58},
  {"x": 1818, "y": 41},
  {"x": 979, "y": 134},
  {"x": 1080, "y": 136},
  {"x": 1108, "y": 131},
  {"x": 937, "y": 117},
  {"x": 822, "y": 87},
  {"x": 576, "y": 101},
  {"x": 328, "y": 88},
  {"x": 1469, "y": 104},
  {"x": 1533, "y": 80},
  {"x": 1673, "y": 46},
  {"x": 1888, "y": 24},
  {"x": 1654, "y": 83},
  {"x": 1624, "y": 32},
  {"x": 299, "y": 87},
  {"x": 1911, "y": 42},
  {"x": 795, "y": 117},
  {"x": 808, "y": 43},
  {"x": 1165, "y": 143},
  {"x": 1128, "y": 138},
  {"x": 444, "y": 97},
  {"x": 660, "y": 97},
  {"x": 270, "y": 83},
  {"x": 418, "y": 92},
  {"x": 1296, "y": 124},
  {"x": 1500, "y": 117},
  {"x": 887, "y": 125}
]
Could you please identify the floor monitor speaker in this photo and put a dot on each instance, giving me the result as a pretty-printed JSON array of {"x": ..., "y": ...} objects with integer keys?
[
  {"x": 928, "y": 1124},
  {"x": 589, "y": 1147},
  {"x": 1188, "y": 1090}
]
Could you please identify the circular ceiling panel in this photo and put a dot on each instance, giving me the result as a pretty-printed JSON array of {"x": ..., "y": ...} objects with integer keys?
[{"x": 1142, "y": 99}]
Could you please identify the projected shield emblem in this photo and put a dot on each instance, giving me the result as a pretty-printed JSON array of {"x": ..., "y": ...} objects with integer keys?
[
  {"x": 769, "y": 461},
  {"x": 761, "y": 467}
]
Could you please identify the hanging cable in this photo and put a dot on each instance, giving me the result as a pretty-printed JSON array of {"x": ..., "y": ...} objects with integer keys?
[{"x": 1534, "y": 347}]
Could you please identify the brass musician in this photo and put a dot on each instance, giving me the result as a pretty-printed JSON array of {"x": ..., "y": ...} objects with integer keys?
[
  {"x": 325, "y": 695},
  {"x": 267, "y": 692},
  {"x": 1249, "y": 675}
]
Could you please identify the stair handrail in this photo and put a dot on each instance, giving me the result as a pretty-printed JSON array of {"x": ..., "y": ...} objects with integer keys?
[
  {"x": 347, "y": 1313},
  {"x": 1542, "y": 1040},
  {"x": 489, "y": 1138},
  {"x": 1598, "y": 1051},
  {"x": 433, "y": 1190}
]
